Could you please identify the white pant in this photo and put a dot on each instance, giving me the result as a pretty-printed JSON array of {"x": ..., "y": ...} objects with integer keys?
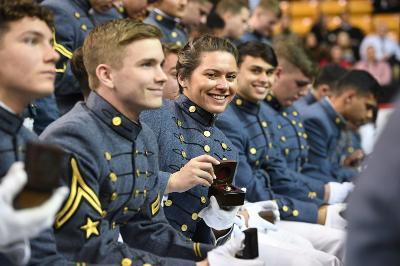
[{"x": 323, "y": 238}]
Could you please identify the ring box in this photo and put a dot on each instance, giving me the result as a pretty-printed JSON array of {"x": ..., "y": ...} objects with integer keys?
[{"x": 227, "y": 195}]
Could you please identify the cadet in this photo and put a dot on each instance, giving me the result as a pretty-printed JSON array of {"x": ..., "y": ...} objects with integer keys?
[
  {"x": 353, "y": 101},
  {"x": 74, "y": 19},
  {"x": 261, "y": 169},
  {"x": 113, "y": 168},
  {"x": 262, "y": 22},
  {"x": 171, "y": 88},
  {"x": 27, "y": 73},
  {"x": 167, "y": 16}
]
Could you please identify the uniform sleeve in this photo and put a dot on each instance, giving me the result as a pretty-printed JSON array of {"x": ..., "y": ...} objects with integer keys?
[{"x": 80, "y": 227}]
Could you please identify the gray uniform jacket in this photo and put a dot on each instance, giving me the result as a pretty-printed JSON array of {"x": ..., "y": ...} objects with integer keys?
[{"x": 115, "y": 189}]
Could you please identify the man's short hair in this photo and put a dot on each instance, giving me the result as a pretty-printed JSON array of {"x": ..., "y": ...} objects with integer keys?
[
  {"x": 329, "y": 75},
  {"x": 271, "y": 5},
  {"x": 232, "y": 6},
  {"x": 14, "y": 10},
  {"x": 291, "y": 55},
  {"x": 170, "y": 48},
  {"x": 105, "y": 44},
  {"x": 257, "y": 50},
  {"x": 360, "y": 81},
  {"x": 79, "y": 71}
]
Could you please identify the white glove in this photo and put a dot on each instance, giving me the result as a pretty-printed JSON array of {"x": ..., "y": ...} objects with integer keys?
[
  {"x": 217, "y": 218},
  {"x": 19, "y": 225},
  {"x": 339, "y": 191},
  {"x": 225, "y": 255},
  {"x": 255, "y": 220},
  {"x": 333, "y": 217}
]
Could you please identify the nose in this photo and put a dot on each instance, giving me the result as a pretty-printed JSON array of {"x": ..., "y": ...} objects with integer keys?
[
  {"x": 160, "y": 77},
  {"x": 223, "y": 83},
  {"x": 50, "y": 54},
  {"x": 303, "y": 91},
  {"x": 183, "y": 2}
]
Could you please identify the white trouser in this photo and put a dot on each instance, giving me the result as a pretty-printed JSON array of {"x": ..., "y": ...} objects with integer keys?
[{"x": 323, "y": 238}]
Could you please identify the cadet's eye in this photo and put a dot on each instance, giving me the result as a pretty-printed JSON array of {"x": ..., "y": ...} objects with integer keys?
[
  {"x": 31, "y": 40},
  {"x": 255, "y": 71},
  {"x": 231, "y": 77},
  {"x": 211, "y": 75},
  {"x": 270, "y": 72}
]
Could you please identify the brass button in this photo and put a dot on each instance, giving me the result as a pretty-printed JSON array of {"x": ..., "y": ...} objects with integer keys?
[
  {"x": 269, "y": 98},
  {"x": 203, "y": 199},
  {"x": 179, "y": 123},
  {"x": 107, "y": 155},
  {"x": 84, "y": 27},
  {"x": 295, "y": 113},
  {"x": 284, "y": 114},
  {"x": 270, "y": 145},
  {"x": 184, "y": 227},
  {"x": 302, "y": 147},
  {"x": 224, "y": 159},
  {"x": 114, "y": 196},
  {"x": 207, "y": 148},
  {"x": 113, "y": 224},
  {"x": 116, "y": 121},
  {"x": 144, "y": 192},
  {"x": 159, "y": 18},
  {"x": 279, "y": 126},
  {"x": 207, "y": 133},
  {"x": 183, "y": 153},
  {"x": 266, "y": 157},
  {"x": 239, "y": 102},
  {"x": 300, "y": 124},
  {"x": 192, "y": 109},
  {"x": 174, "y": 34},
  {"x": 113, "y": 177},
  {"x": 264, "y": 124},
  {"x": 305, "y": 135},
  {"x": 126, "y": 262},
  {"x": 168, "y": 203},
  {"x": 287, "y": 151},
  {"x": 253, "y": 150},
  {"x": 294, "y": 122},
  {"x": 77, "y": 15},
  {"x": 283, "y": 138},
  {"x": 299, "y": 134},
  {"x": 195, "y": 216},
  {"x": 126, "y": 210},
  {"x": 178, "y": 43},
  {"x": 104, "y": 213},
  {"x": 147, "y": 264},
  {"x": 224, "y": 146},
  {"x": 257, "y": 162},
  {"x": 285, "y": 208},
  {"x": 295, "y": 213},
  {"x": 181, "y": 138},
  {"x": 137, "y": 172},
  {"x": 350, "y": 149},
  {"x": 337, "y": 120}
]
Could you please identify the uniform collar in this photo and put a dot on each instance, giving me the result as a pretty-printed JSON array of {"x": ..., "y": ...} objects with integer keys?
[
  {"x": 247, "y": 106},
  {"x": 112, "y": 117},
  {"x": 159, "y": 16},
  {"x": 272, "y": 101},
  {"x": 337, "y": 118},
  {"x": 261, "y": 38},
  {"x": 310, "y": 98},
  {"x": 10, "y": 122},
  {"x": 196, "y": 112},
  {"x": 84, "y": 4}
]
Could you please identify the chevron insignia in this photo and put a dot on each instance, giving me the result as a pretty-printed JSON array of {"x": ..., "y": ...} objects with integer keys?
[{"x": 155, "y": 205}]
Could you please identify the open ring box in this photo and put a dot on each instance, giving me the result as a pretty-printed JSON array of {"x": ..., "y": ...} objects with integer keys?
[{"x": 227, "y": 195}]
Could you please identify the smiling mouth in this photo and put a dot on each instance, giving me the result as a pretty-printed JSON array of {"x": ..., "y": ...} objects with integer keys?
[{"x": 218, "y": 97}]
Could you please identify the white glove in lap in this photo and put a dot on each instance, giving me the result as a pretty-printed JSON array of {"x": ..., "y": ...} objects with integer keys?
[
  {"x": 255, "y": 220},
  {"x": 339, "y": 191},
  {"x": 333, "y": 217},
  {"x": 217, "y": 218}
]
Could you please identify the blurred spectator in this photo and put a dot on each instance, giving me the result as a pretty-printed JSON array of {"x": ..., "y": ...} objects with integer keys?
[
  {"x": 135, "y": 9},
  {"x": 195, "y": 16},
  {"x": 320, "y": 30},
  {"x": 262, "y": 22},
  {"x": 336, "y": 56},
  {"x": 215, "y": 24},
  {"x": 171, "y": 87},
  {"x": 379, "y": 69},
  {"x": 344, "y": 42}
]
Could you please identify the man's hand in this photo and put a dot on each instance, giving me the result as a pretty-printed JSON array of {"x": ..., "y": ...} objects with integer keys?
[
  {"x": 262, "y": 215},
  {"x": 198, "y": 171}
]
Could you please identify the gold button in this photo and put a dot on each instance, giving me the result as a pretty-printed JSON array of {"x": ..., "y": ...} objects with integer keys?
[
  {"x": 302, "y": 147},
  {"x": 284, "y": 113},
  {"x": 269, "y": 98},
  {"x": 107, "y": 155},
  {"x": 174, "y": 34},
  {"x": 350, "y": 149},
  {"x": 104, "y": 213},
  {"x": 207, "y": 148},
  {"x": 168, "y": 203},
  {"x": 305, "y": 135},
  {"x": 113, "y": 224},
  {"x": 295, "y": 213},
  {"x": 116, "y": 121},
  {"x": 279, "y": 126},
  {"x": 192, "y": 109},
  {"x": 84, "y": 27},
  {"x": 207, "y": 133},
  {"x": 337, "y": 120},
  {"x": 294, "y": 122},
  {"x": 114, "y": 196},
  {"x": 126, "y": 210},
  {"x": 239, "y": 102},
  {"x": 144, "y": 192},
  {"x": 184, "y": 228},
  {"x": 295, "y": 113},
  {"x": 159, "y": 18},
  {"x": 224, "y": 146},
  {"x": 287, "y": 151},
  {"x": 181, "y": 138},
  {"x": 264, "y": 124},
  {"x": 300, "y": 124},
  {"x": 137, "y": 172},
  {"x": 147, "y": 264},
  {"x": 270, "y": 145},
  {"x": 179, "y": 123},
  {"x": 253, "y": 150},
  {"x": 224, "y": 159},
  {"x": 195, "y": 216},
  {"x": 126, "y": 262},
  {"x": 203, "y": 199},
  {"x": 266, "y": 157},
  {"x": 285, "y": 208},
  {"x": 178, "y": 43},
  {"x": 183, "y": 153},
  {"x": 299, "y": 134},
  {"x": 283, "y": 138},
  {"x": 77, "y": 15},
  {"x": 257, "y": 162},
  {"x": 113, "y": 177}
]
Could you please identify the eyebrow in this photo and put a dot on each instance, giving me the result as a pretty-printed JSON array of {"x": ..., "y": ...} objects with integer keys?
[{"x": 36, "y": 33}]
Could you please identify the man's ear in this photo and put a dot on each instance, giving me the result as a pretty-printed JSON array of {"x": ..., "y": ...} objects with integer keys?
[
  {"x": 349, "y": 96},
  {"x": 182, "y": 81},
  {"x": 278, "y": 71},
  {"x": 103, "y": 73},
  {"x": 324, "y": 90}
]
